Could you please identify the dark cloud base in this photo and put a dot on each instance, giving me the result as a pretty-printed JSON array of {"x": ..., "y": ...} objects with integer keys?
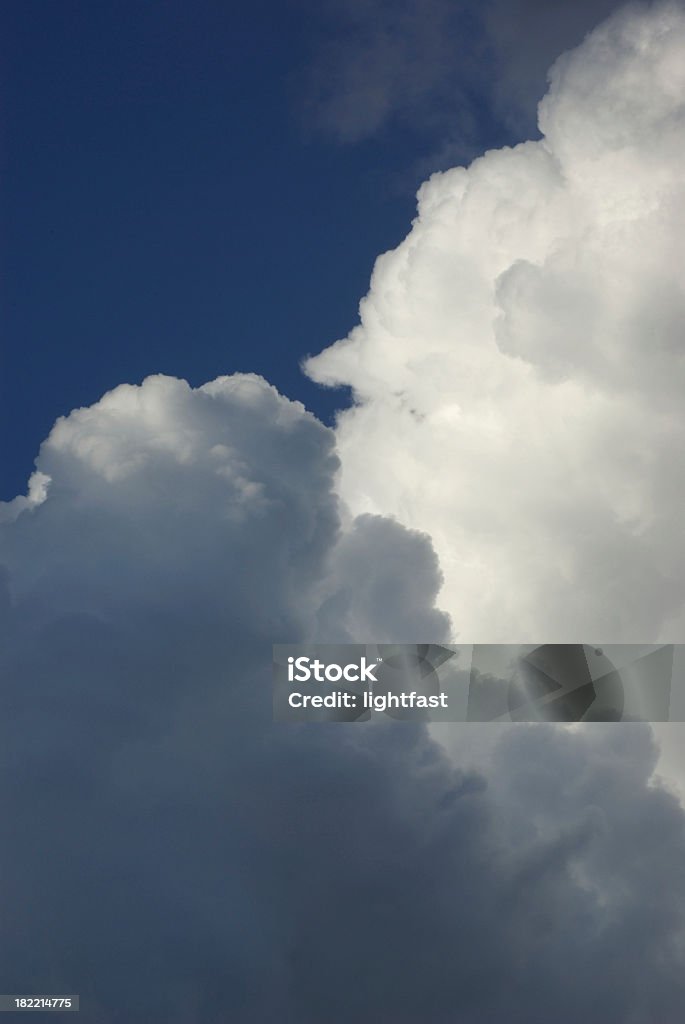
[{"x": 172, "y": 855}]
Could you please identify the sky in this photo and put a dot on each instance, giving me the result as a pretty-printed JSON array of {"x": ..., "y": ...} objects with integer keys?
[
  {"x": 333, "y": 323},
  {"x": 187, "y": 190}
]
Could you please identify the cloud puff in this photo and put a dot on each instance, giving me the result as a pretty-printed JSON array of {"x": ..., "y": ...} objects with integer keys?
[
  {"x": 169, "y": 537},
  {"x": 224, "y": 492},
  {"x": 518, "y": 369},
  {"x": 172, "y": 855},
  {"x": 525, "y": 36},
  {"x": 376, "y": 61},
  {"x": 446, "y": 70}
]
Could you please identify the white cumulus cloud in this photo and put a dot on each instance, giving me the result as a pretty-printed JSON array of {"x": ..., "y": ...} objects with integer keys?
[{"x": 519, "y": 365}]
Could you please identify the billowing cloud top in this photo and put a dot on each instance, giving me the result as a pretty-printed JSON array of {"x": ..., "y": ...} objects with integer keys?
[
  {"x": 222, "y": 495},
  {"x": 519, "y": 365}
]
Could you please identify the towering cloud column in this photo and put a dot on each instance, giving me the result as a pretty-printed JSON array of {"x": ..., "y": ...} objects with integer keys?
[{"x": 519, "y": 366}]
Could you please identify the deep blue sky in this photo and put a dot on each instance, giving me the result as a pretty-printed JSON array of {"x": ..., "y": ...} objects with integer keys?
[{"x": 166, "y": 207}]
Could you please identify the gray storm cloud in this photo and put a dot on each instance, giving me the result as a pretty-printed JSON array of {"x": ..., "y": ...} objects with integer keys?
[{"x": 173, "y": 855}]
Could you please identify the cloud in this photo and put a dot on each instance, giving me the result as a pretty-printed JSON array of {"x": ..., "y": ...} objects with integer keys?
[
  {"x": 170, "y": 536},
  {"x": 452, "y": 73},
  {"x": 377, "y": 61},
  {"x": 163, "y": 484},
  {"x": 525, "y": 37},
  {"x": 172, "y": 855},
  {"x": 518, "y": 369}
]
